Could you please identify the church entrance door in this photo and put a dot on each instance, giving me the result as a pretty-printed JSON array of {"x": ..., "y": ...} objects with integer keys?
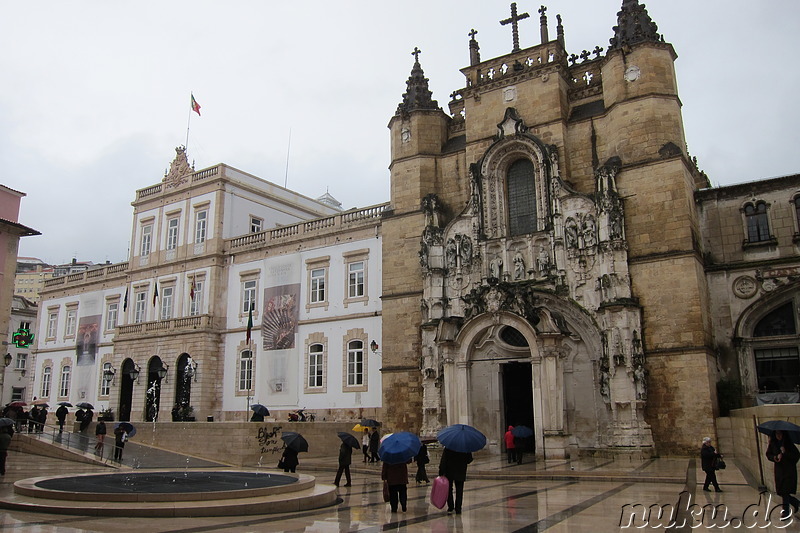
[{"x": 518, "y": 399}]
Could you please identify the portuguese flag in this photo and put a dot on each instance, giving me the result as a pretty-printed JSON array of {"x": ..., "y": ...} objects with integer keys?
[{"x": 195, "y": 106}]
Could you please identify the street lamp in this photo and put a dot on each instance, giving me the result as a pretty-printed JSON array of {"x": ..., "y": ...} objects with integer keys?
[
  {"x": 134, "y": 372},
  {"x": 374, "y": 347},
  {"x": 108, "y": 375},
  {"x": 7, "y": 359},
  {"x": 162, "y": 372}
]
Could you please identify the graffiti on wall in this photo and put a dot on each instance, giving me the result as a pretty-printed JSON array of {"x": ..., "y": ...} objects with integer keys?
[{"x": 269, "y": 440}]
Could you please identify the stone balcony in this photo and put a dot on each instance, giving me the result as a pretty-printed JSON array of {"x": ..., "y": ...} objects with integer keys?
[{"x": 171, "y": 326}]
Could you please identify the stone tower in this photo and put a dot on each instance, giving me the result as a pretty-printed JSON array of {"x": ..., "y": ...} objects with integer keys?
[{"x": 541, "y": 264}]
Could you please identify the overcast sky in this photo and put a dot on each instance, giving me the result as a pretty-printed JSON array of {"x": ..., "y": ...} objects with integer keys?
[{"x": 95, "y": 94}]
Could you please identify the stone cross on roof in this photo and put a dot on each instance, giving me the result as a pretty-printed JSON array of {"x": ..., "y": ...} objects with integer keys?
[
  {"x": 513, "y": 21},
  {"x": 416, "y": 53}
]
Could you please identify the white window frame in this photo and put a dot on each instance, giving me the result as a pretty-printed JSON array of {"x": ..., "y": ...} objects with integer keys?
[
  {"x": 139, "y": 306},
  {"x": 47, "y": 380},
  {"x": 196, "y": 304},
  {"x": 52, "y": 324},
  {"x": 112, "y": 315},
  {"x": 316, "y": 366},
  {"x": 245, "y": 377},
  {"x": 21, "y": 361},
  {"x": 64, "y": 381},
  {"x": 249, "y": 296},
  {"x": 316, "y": 287},
  {"x": 356, "y": 279},
  {"x": 147, "y": 240},
  {"x": 256, "y": 224},
  {"x": 167, "y": 297},
  {"x": 173, "y": 224},
  {"x": 105, "y": 386},
  {"x": 355, "y": 363},
  {"x": 71, "y": 322},
  {"x": 200, "y": 226}
]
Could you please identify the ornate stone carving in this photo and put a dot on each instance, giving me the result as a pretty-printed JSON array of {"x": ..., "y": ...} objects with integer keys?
[
  {"x": 179, "y": 170},
  {"x": 519, "y": 266},
  {"x": 745, "y": 287}
]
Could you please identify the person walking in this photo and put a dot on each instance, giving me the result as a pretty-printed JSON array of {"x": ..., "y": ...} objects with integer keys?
[
  {"x": 454, "y": 467},
  {"x": 345, "y": 458},
  {"x": 510, "y": 448},
  {"x": 88, "y": 415},
  {"x": 289, "y": 460},
  {"x": 782, "y": 451},
  {"x": 5, "y": 442},
  {"x": 365, "y": 444},
  {"x": 396, "y": 476},
  {"x": 374, "y": 444},
  {"x": 120, "y": 438},
  {"x": 61, "y": 416},
  {"x": 42, "y": 419},
  {"x": 33, "y": 418},
  {"x": 708, "y": 459},
  {"x": 100, "y": 434},
  {"x": 422, "y": 459}
]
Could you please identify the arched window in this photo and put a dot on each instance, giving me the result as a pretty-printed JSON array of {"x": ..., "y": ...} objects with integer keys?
[
  {"x": 63, "y": 388},
  {"x": 757, "y": 222},
  {"x": 521, "y": 188},
  {"x": 776, "y": 350},
  {"x": 47, "y": 375},
  {"x": 355, "y": 363},
  {"x": 105, "y": 386},
  {"x": 246, "y": 370},
  {"x": 315, "y": 365}
]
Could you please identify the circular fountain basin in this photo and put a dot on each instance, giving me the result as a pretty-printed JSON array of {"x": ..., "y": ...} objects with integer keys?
[{"x": 162, "y": 485}]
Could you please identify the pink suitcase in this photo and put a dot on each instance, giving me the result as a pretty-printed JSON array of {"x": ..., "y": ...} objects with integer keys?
[{"x": 439, "y": 492}]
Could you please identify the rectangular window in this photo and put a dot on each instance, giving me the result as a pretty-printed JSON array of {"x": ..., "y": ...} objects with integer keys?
[
  {"x": 355, "y": 363},
  {"x": 22, "y": 361},
  {"x": 778, "y": 369},
  {"x": 46, "y": 380},
  {"x": 256, "y": 224},
  {"x": 63, "y": 387},
  {"x": 201, "y": 220},
  {"x": 52, "y": 324},
  {"x": 315, "y": 360},
  {"x": 248, "y": 296},
  {"x": 172, "y": 233},
  {"x": 196, "y": 305},
  {"x": 166, "y": 302},
  {"x": 25, "y": 325},
  {"x": 246, "y": 371},
  {"x": 112, "y": 313},
  {"x": 147, "y": 239},
  {"x": 140, "y": 307},
  {"x": 72, "y": 321},
  {"x": 317, "y": 289},
  {"x": 355, "y": 279},
  {"x": 17, "y": 394},
  {"x": 105, "y": 386}
]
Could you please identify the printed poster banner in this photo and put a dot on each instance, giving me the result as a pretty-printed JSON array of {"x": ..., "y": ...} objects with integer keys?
[
  {"x": 281, "y": 313},
  {"x": 87, "y": 338}
]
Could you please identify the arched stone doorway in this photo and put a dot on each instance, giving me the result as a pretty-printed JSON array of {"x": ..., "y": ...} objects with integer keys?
[
  {"x": 129, "y": 376},
  {"x": 156, "y": 372},
  {"x": 184, "y": 372}
]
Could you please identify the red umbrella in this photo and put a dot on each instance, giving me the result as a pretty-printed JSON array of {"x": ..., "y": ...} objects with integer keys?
[{"x": 17, "y": 404}]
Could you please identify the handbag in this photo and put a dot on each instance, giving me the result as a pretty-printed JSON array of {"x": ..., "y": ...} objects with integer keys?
[
  {"x": 281, "y": 464},
  {"x": 385, "y": 490},
  {"x": 719, "y": 464},
  {"x": 439, "y": 489}
]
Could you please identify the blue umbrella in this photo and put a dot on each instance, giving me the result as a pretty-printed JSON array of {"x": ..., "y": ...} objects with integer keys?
[
  {"x": 522, "y": 432},
  {"x": 399, "y": 447},
  {"x": 461, "y": 438},
  {"x": 770, "y": 427},
  {"x": 260, "y": 409}
]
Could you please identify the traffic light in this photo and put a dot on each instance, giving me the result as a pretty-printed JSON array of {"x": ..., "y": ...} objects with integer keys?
[{"x": 22, "y": 338}]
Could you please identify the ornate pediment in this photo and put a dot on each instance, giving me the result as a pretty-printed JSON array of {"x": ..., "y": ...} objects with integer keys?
[
  {"x": 179, "y": 170},
  {"x": 518, "y": 298}
]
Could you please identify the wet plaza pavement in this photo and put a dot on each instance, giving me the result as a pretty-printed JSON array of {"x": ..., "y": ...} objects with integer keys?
[{"x": 593, "y": 494}]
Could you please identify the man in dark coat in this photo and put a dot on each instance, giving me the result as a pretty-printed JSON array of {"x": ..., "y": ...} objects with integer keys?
[
  {"x": 396, "y": 477},
  {"x": 61, "y": 416},
  {"x": 374, "y": 444},
  {"x": 784, "y": 454},
  {"x": 345, "y": 458},
  {"x": 454, "y": 467},
  {"x": 86, "y": 420},
  {"x": 289, "y": 460},
  {"x": 708, "y": 459}
]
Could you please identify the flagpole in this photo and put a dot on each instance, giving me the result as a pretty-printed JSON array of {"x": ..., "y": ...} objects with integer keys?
[
  {"x": 188, "y": 123},
  {"x": 286, "y": 179}
]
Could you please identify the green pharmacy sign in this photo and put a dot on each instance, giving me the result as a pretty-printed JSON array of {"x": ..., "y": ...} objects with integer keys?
[{"x": 22, "y": 338}]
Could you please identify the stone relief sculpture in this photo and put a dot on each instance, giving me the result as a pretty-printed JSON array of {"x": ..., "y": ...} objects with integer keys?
[
  {"x": 571, "y": 234},
  {"x": 543, "y": 262},
  {"x": 465, "y": 249},
  {"x": 640, "y": 382},
  {"x": 496, "y": 267},
  {"x": 589, "y": 232},
  {"x": 451, "y": 254}
]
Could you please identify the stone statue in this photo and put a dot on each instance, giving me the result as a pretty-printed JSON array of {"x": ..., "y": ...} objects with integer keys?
[
  {"x": 640, "y": 381},
  {"x": 589, "y": 232},
  {"x": 496, "y": 267},
  {"x": 519, "y": 266},
  {"x": 543, "y": 261},
  {"x": 451, "y": 252},
  {"x": 605, "y": 391},
  {"x": 571, "y": 234},
  {"x": 466, "y": 250}
]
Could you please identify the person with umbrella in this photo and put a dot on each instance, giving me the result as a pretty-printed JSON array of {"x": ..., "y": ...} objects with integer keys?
[
  {"x": 121, "y": 431},
  {"x": 708, "y": 459},
  {"x": 422, "y": 459},
  {"x": 86, "y": 421},
  {"x": 782, "y": 451},
  {"x": 345, "y": 457},
  {"x": 295, "y": 443},
  {"x": 459, "y": 441},
  {"x": 259, "y": 412},
  {"x": 374, "y": 444},
  {"x": 61, "y": 415},
  {"x": 396, "y": 452}
]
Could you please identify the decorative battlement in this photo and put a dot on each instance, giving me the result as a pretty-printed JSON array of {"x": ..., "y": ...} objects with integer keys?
[{"x": 528, "y": 62}]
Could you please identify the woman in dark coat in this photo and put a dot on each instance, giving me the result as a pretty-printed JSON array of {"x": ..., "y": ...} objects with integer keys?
[
  {"x": 454, "y": 467},
  {"x": 708, "y": 459},
  {"x": 289, "y": 459},
  {"x": 422, "y": 459},
  {"x": 784, "y": 454},
  {"x": 396, "y": 476},
  {"x": 374, "y": 444}
]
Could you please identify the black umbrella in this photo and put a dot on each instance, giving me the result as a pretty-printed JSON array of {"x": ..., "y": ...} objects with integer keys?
[
  {"x": 84, "y": 405},
  {"x": 770, "y": 427},
  {"x": 522, "y": 432},
  {"x": 127, "y": 427},
  {"x": 65, "y": 403},
  {"x": 5, "y": 422},
  {"x": 295, "y": 441},
  {"x": 369, "y": 422},
  {"x": 350, "y": 440},
  {"x": 260, "y": 409}
]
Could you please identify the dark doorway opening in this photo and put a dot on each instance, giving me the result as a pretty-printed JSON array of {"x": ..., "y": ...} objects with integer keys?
[
  {"x": 518, "y": 399},
  {"x": 126, "y": 390}
]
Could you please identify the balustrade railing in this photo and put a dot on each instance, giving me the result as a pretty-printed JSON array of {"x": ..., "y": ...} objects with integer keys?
[
  {"x": 160, "y": 326},
  {"x": 93, "y": 275}
]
